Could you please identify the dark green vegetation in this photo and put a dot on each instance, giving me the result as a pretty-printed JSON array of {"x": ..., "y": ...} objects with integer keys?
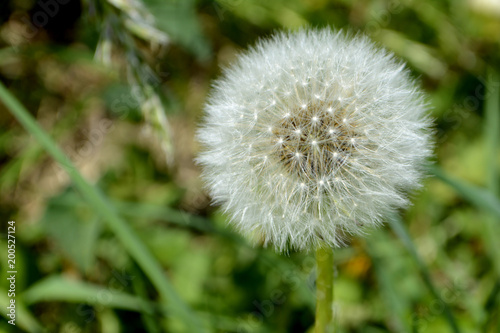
[{"x": 128, "y": 241}]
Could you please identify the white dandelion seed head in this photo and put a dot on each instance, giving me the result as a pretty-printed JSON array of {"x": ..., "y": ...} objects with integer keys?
[{"x": 313, "y": 136}]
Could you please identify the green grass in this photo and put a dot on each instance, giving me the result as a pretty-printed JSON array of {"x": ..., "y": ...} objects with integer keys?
[
  {"x": 135, "y": 242},
  {"x": 169, "y": 298}
]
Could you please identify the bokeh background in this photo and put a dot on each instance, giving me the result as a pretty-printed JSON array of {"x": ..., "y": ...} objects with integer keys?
[{"x": 119, "y": 86}]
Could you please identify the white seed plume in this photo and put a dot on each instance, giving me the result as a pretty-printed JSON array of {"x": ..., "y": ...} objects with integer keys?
[{"x": 313, "y": 136}]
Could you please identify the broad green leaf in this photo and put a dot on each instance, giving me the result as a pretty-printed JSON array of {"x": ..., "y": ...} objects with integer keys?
[
  {"x": 75, "y": 230},
  {"x": 178, "y": 18}
]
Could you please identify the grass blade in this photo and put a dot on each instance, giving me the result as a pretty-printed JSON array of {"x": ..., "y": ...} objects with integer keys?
[
  {"x": 24, "y": 319},
  {"x": 491, "y": 228},
  {"x": 386, "y": 281},
  {"x": 151, "y": 323},
  {"x": 479, "y": 197},
  {"x": 484, "y": 200},
  {"x": 100, "y": 204},
  {"x": 59, "y": 288},
  {"x": 492, "y": 127},
  {"x": 492, "y": 132},
  {"x": 400, "y": 230}
]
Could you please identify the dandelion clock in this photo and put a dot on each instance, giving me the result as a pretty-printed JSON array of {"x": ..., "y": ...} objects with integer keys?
[{"x": 311, "y": 137}]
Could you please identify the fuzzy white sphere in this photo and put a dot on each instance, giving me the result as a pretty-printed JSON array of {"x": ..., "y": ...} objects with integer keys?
[{"x": 312, "y": 136}]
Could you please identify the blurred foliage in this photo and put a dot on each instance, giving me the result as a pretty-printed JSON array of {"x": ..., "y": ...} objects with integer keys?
[{"x": 102, "y": 78}]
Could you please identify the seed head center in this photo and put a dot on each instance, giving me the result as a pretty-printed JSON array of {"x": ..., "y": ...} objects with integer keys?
[{"x": 314, "y": 140}]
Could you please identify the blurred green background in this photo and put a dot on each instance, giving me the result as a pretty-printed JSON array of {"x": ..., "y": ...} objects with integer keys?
[{"x": 135, "y": 246}]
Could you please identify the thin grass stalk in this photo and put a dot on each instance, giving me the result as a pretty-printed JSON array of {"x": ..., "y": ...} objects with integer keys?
[{"x": 100, "y": 203}]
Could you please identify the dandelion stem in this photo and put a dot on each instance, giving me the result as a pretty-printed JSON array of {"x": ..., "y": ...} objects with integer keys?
[{"x": 324, "y": 289}]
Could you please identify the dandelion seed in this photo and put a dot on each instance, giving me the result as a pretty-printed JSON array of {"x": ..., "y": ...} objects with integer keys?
[{"x": 340, "y": 166}]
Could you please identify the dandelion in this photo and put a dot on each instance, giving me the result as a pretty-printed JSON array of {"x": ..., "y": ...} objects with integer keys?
[{"x": 313, "y": 136}]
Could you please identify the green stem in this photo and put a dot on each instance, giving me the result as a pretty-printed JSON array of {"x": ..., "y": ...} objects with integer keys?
[{"x": 324, "y": 290}]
